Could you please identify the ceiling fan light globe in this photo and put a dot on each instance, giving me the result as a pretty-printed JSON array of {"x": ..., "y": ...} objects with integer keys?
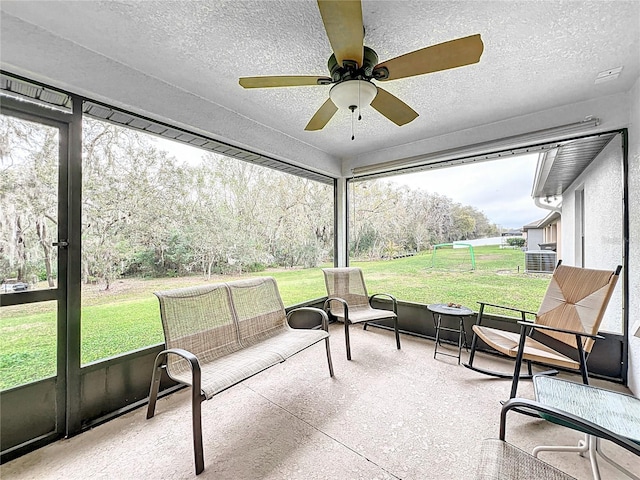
[{"x": 353, "y": 92}]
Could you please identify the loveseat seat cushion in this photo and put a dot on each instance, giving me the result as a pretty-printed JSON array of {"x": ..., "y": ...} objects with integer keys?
[
  {"x": 289, "y": 341},
  {"x": 224, "y": 372}
]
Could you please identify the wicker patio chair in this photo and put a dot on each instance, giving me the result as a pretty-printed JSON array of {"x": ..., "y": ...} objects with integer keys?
[
  {"x": 565, "y": 326},
  {"x": 349, "y": 302},
  {"x": 500, "y": 460}
]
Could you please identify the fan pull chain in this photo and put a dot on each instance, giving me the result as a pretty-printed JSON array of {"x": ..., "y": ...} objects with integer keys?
[
  {"x": 359, "y": 109},
  {"x": 353, "y": 137},
  {"x": 353, "y": 109}
]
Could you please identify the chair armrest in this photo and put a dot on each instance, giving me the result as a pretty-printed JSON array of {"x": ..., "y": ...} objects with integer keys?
[
  {"x": 560, "y": 330},
  {"x": 196, "y": 371},
  {"x": 507, "y": 308},
  {"x": 389, "y": 296},
  {"x": 580, "y": 423},
  {"x": 187, "y": 355},
  {"x": 327, "y": 305},
  {"x": 323, "y": 315}
]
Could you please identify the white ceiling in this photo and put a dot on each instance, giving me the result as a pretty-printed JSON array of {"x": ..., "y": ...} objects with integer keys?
[{"x": 180, "y": 62}]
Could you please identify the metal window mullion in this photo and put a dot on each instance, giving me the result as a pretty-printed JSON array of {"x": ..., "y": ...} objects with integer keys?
[
  {"x": 73, "y": 280},
  {"x": 61, "y": 323}
]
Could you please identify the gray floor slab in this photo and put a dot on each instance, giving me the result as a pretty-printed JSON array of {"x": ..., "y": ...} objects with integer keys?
[{"x": 386, "y": 414}]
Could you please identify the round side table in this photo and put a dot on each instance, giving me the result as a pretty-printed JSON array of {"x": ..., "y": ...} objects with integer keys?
[{"x": 437, "y": 311}]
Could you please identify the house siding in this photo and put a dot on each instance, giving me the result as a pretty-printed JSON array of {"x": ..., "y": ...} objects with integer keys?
[
  {"x": 634, "y": 238},
  {"x": 603, "y": 230}
]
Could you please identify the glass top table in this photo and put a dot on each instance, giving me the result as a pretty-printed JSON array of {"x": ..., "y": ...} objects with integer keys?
[{"x": 615, "y": 411}]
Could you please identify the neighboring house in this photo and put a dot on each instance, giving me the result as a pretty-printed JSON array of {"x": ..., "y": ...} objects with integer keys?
[
  {"x": 543, "y": 234},
  {"x": 532, "y": 234},
  {"x": 542, "y": 248}
]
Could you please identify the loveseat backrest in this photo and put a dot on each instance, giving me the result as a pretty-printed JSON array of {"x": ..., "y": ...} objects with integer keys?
[
  {"x": 200, "y": 320},
  {"x": 259, "y": 309}
]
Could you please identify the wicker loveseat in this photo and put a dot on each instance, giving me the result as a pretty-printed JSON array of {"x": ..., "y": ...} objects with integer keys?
[{"x": 218, "y": 335}]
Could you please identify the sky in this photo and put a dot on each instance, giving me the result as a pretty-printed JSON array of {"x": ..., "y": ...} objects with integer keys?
[{"x": 499, "y": 188}]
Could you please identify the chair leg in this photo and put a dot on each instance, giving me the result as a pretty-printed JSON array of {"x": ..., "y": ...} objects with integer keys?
[
  {"x": 155, "y": 385},
  {"x": 474, "y": 340},
  {"x": 516, "y": 370},
  {"x": 591, "y": 441},
  {"x": 472, "y": 353},
  {"x": 395, "y": 327},
  {"x": 346, "y": 338},
  {"x": 326, "y": 340},
  {"x": 583, "y": 361},
  {"x": 364, "y": 327},
  {"x": 612, "y": 462},
  {"x": 590, "y": 445},
  {"x": 196, "y": 420},
  {"x": 581, "y": 448}
]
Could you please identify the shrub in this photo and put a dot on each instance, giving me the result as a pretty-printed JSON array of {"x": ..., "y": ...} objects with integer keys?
[{"x": 516, "y": 242}]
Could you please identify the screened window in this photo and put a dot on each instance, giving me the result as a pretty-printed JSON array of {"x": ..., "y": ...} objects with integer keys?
[{"x": 158, "y": 214}]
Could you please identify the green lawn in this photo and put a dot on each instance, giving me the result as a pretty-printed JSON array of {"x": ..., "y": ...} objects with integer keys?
[{"x": 127, "y": 317}]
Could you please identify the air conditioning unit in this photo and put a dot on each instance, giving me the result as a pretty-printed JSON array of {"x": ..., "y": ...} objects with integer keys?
[{"x": 539, "y": 261}]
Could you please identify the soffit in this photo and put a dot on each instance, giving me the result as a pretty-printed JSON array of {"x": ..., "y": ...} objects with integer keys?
[{"x": 557, "y": 173}]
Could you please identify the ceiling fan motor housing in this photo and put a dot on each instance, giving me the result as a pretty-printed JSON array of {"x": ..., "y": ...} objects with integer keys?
[{"x": 350, "y": 70}]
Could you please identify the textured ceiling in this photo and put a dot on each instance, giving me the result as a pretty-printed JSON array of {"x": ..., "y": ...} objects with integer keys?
[{"x": 180, "y": 61}]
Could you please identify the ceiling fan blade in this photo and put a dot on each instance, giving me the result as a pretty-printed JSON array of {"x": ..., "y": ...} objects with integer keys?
[
  {"x": 283, "y": 81},
  {"x": 393, "y": 108},
  {"x": 343, "y": 23},
  {"x": 452, "y": 54},
  {"x": 322, "y": 116}
]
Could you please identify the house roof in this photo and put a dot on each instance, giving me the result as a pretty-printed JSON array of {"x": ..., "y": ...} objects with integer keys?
[{"x": 551, "y": 218}]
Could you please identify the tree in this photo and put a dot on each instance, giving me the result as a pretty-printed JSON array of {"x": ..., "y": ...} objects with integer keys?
[
  {"x": 389, "y": 220},
  {"x": 146, "y": 212},
  {"x": 132, "y": 197},
  {"x": 28, "y": 199}
]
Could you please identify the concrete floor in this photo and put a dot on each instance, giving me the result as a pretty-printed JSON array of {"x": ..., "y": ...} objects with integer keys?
[{"x": 386, "y": 414}]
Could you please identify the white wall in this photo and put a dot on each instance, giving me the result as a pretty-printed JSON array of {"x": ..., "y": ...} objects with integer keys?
[
  {"x": 479, "y": 242},
  {"x": 534, "y": 238},
  {"x": 634, "y": 238},
  {"x": 602, "y": 184}
]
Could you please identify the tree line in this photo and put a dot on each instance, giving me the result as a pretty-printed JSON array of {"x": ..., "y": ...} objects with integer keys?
[{"x": 147, "y": 213}]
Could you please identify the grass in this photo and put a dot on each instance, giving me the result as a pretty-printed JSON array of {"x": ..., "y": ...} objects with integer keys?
[{"x": 127, "y": 316}]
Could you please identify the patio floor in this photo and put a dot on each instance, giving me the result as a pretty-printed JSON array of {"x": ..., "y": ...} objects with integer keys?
[{"x": 386, "y": 414}]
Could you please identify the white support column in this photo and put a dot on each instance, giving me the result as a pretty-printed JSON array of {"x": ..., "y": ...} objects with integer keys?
[{"x": 341, "y": 239}]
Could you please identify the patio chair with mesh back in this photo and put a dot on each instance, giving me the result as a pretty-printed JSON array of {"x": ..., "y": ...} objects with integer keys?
[
  {"x": 565, "y": 326},
  {"x": 349, "y": 302}
]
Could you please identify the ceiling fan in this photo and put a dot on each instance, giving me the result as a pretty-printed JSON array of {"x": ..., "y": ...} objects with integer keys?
[{"x": 353, "y": 66}]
